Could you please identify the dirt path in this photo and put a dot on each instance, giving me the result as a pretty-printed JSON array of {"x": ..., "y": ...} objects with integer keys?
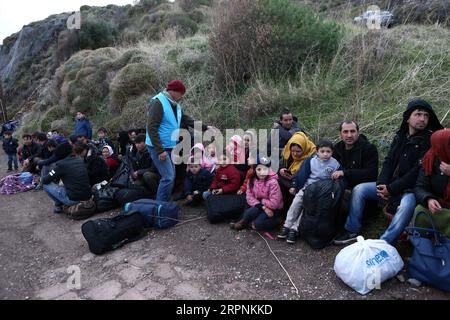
[{"x": 193, "y": 261}]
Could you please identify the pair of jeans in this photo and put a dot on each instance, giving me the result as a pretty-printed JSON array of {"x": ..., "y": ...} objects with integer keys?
[
  {"x": 206, "y": 195},
  {"x": 260, "y": 219},
  {"x": 12, "y": 158},
  {"x": 166, "y": 170},
  {"x": 368, "y": 191},
  {"x": 59, "y": 195},
  {"x": 293, "y": 216}
]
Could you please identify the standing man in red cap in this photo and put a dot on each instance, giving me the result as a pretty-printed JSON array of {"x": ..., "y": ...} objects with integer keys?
[{"x": 165, "y": 116}]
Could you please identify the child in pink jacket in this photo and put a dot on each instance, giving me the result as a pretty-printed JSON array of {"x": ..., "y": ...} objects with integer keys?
[{"x": 264, "y": 198}]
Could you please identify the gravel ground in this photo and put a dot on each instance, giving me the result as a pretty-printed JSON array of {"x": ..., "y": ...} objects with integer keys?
[{"x": 195, "y": 260}]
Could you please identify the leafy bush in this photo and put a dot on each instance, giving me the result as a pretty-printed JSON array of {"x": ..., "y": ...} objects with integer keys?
[
  {"x": 96, "y": 34},
  {"x": 274, "y": 37},
  {"x": 133, "y": 80}
]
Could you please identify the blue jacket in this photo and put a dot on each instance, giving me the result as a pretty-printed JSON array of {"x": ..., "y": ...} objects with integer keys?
[
  {"x": 83, "y": 126},
  {"x": 199, "y": 182},
  {"x": 301, "y": 177}
]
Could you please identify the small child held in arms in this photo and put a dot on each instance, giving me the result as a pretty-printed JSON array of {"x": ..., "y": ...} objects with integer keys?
[
  {"x": 10, "y": 146},
  {"x": 264, "y": 198},
  {"x": 226, "y": 180},
  {"x": 196, "y": 181},
  {"x": 318, "y": 167}
]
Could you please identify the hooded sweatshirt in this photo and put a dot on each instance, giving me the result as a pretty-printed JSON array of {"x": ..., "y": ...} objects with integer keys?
[
  {"x": 402, "y": 164},
  {"x": 265, "y": 193}
]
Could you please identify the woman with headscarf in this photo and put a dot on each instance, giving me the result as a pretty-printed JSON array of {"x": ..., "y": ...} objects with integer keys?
[
  {"x": 433, "y": 184},
  {"x": 298, "y": 149},
  {"x": 111, "y": 161}
]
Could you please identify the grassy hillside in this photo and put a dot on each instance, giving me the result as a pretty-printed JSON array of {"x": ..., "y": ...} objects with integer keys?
[{"x": 370, "y": 78}]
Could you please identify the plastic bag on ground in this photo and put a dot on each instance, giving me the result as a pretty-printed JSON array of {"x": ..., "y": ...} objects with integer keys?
[{"x": 366, "y": 264}]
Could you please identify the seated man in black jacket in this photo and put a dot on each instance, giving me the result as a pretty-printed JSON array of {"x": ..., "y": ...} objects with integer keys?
[
  {"x": 29, "y": 151},
  {"x": 73, "y": 173},
  {"x": 144, "y": 172},
  {"x": 357, "y": 156},
  {"x": 398, "y": 176},
  {"x": 359, "y": 160}
]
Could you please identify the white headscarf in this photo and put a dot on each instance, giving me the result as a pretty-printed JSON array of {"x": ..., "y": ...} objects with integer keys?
[{"x": 111, "y": 151}]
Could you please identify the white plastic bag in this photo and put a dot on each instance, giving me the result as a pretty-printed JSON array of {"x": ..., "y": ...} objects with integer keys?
[{"x": 365, "y": 264}]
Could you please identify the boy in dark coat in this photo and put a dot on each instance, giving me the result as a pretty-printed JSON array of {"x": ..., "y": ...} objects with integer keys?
[
  {"x": 196, "y": 181},
  {"x": 10, "y": 146}
]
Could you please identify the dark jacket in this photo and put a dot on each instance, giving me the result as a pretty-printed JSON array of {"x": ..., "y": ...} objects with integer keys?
[
  {"x": 97, "y": 168},
  {"x": 10, "y": 146},
  {"x": 284, "y": 136},
  {"x": 360, "y": 164},
  {"x": 83, "y": 127},
  {"x": 198, "y": 182},
  {"x": 73, "y": 173},
  {"x": 431, "y": 187},
  {"x": 154, "y": 119},
  {"x": 402, "y": 164},
  {"x": 141, "y": 162},
  {"x": 31, "y": 151},
  {"x": 106, "y": 142},
  {"x": 62, "y": 151},
  {"x": 44, "y": 153}
]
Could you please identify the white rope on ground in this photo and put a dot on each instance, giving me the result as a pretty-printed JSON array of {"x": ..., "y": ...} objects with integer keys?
[
  {"x": 279, "y": 262},
  {"x": 187, "y": 221}
]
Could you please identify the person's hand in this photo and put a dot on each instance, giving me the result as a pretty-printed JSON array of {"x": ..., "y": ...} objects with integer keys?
[
  {"x": 292, "y": 191},
  {"x": 190, "y": 198},
  {"x": 26, "y": 163},
  {"x": 285, "y": 174},
  {"x": 218, "y": 191},
  {"x": 383, "y": 192},
  {"x": 434, "y": 206},
  {"x": 275, "y": 125},
  {"x": 163, "y": 156},
  {"x": 240, "y": 192},
  {"x": 445, "y": 168},
  {"x": 134, "y": 175},
  {"x": 268, "y": 211},
  {"x": 337, "y": 174},
  {"x": 196, "y": 192}
]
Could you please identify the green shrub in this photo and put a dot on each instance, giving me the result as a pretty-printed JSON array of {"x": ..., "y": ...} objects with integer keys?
[
  {"x": 133, "y": 80},
  {"x": 97, "y": 34},
  {"x": 54, "y": 113},
  {"x": 181, "y": 22},
  {"x": 274, "y": 37}
]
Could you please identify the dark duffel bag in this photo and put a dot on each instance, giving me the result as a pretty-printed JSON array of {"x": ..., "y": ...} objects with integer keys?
[
  {"x": 103, "y": 235},
  {"x": 225, "y": 207},
  {"x": 124, "y": 196},
  {"x": 104, "y": 198},
  {"x": 158, "y": 214}
]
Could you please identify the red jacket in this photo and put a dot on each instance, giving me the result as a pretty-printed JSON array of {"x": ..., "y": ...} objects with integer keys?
[
  {"x": 228, "y": 179},
  {"x": 244, "y": 186}
]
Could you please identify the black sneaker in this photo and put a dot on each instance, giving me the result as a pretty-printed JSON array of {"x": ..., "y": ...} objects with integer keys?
[
  {"x": 345, "y": 237},
  {"x": 283, "y": 233},
  {"x": 292, "y": 236}
]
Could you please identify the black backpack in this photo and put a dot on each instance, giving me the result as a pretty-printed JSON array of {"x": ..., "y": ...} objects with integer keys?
[
  {"x": 321, "y": 205},
  {"x": 103, "y": 235},
  {"x": 221, "y": 208},
  {"x": 104, "y": 198}
]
